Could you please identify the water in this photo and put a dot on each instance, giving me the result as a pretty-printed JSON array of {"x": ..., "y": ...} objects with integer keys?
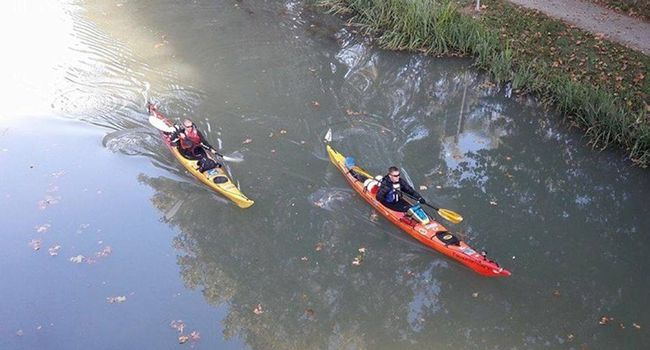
[{"x": 570, "y": 223}]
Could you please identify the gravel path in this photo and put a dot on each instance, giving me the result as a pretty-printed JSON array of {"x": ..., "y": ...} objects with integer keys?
[{"x": 629, "y": 31}]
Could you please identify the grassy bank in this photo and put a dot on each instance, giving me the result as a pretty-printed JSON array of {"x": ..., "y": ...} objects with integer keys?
[{"x": 599, "y": 86}]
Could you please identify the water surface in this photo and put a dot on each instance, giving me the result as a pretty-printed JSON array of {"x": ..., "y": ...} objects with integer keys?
[{"x": 265, "y": 80}]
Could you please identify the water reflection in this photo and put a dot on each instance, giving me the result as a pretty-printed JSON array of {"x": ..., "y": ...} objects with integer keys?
[
  {"x": 561, "y": 217},
  {"x": 287, "y": 275}
]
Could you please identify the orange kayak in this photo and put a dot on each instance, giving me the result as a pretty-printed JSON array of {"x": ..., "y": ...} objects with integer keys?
[{"x": 427, "y": 231}]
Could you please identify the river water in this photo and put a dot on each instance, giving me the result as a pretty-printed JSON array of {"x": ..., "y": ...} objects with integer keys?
[{"x": 109, "y": 244}]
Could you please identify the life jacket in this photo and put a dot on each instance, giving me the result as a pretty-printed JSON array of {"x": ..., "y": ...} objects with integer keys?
[
  {"x": 192, "y": 139},
  {"x": 392, "y": 196}
]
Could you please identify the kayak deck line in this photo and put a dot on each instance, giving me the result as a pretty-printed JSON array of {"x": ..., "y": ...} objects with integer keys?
[{"x": 432, "y": 234}]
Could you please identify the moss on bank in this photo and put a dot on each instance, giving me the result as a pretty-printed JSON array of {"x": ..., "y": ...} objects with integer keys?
[{"x": 599, "y": 86}]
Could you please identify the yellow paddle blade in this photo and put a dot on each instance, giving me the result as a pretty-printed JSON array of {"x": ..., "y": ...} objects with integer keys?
[
  {"x": 450, "y": 215},
  {"x": 361, "y": 171}
]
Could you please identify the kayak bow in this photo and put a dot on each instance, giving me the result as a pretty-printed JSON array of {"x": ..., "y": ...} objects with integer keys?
[{"x": 432, "y": 234}]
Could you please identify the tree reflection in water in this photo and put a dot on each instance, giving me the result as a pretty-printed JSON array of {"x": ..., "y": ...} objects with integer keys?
[{"x": 546, "y": 202}]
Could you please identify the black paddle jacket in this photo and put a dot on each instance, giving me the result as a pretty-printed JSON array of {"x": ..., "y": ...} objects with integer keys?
[{"x": 389, "y": 192}]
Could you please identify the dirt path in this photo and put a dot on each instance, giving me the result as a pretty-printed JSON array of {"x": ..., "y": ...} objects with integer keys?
[{"x": 629, "y": 31}]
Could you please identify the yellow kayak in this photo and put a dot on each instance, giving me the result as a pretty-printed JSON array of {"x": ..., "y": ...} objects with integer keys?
[{"x": 217, "y": 179}]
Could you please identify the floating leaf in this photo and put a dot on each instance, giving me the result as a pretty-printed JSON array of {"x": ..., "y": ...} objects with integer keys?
[
  {"x": 117, "y": 299},
  {"x": 35, "y": 244},
  {"x": 104, "y": 252},
  {"x": 182, "y": 339},
  {"x": 54, "y": 251},
  {"x": 42, "y": 228},
  {"x": 78, "y": 259},
  {"x": 604, "y": 320},
  {"x": 178, "y": 325},
  {"x": 195, "y": 336}
]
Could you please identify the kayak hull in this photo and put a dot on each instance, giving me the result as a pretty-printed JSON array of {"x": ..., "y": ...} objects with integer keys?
[
  {"x": 430, "y": 234},
  {"x": 217, "y": 179}
]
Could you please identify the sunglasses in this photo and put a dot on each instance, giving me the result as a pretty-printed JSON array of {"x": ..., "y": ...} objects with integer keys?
[{"x": 394, "y": 175}]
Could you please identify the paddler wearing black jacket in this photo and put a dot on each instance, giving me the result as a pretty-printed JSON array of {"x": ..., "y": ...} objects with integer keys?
[{"x": 391, "y": 188}]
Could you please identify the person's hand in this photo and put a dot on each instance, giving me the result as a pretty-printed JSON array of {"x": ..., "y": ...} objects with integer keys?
[
  {"x": 181, "y": 135},
  {"x": 213, "y": 151},
  {"x": 422, "y": 201}
]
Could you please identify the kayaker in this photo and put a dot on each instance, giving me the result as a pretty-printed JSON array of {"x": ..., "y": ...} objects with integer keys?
[
  {"x": 391, "y": 188},
  {"x": 190, "y": 142}
]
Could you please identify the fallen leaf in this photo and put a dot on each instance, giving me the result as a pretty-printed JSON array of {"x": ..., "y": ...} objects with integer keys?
[
  {"x": 493, "y": 202},
  {"x": 54, "y": 251},
  {"x": 604, "y": 320},
  {"x": 247, "y": 141},
  {"x": 423, "y": 188},
  {"x": 258, "y": 309},
  {"x": 49, "y": 200},
  {"x": 315, "y": 104},
  {"x": 195, "y": 336},
  {"x": 35, "y": 244},
  {"x": 304, "y": 258},
  {"x": 78, "y": 259},
  {"x": 42, "y": 228},
  {"x": 362, "y": 250},
  {"x": 282, "y": 131},
  {"x": 475, "y": 294},
  {"x": 636, "y": 326},
  {"x": 104, "y": 252},
  {"x": 117, "y": 299},
  {"x": 178, "y": 325}
]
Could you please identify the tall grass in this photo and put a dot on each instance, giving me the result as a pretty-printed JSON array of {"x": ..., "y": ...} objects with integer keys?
[{"x": 438, "y": 28}]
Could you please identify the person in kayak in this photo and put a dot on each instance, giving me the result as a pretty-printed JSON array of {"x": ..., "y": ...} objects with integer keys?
[
  {"x": 390, "y": 191},
  {"x": 190, "y": 142}
]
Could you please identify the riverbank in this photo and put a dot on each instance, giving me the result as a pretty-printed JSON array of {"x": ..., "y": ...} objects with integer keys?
[{"x": 599, "y": 86}]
